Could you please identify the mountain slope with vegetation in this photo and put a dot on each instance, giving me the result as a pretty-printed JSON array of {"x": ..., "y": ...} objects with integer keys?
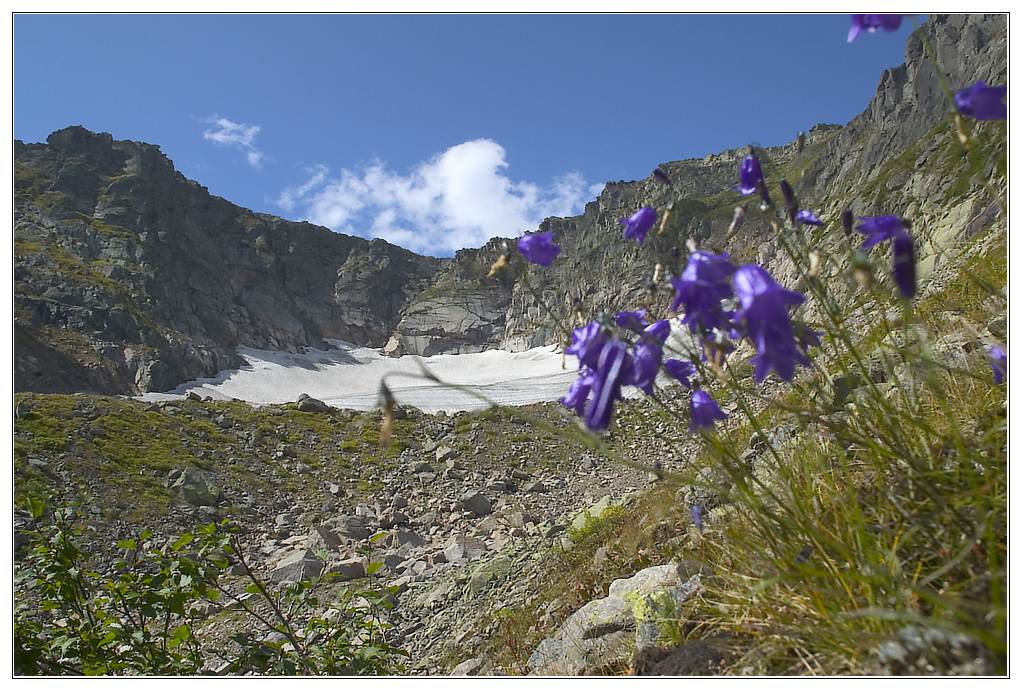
[{"x": 850, "y": 521}]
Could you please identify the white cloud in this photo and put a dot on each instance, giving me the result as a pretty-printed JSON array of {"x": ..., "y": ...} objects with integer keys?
[
  {"x": 291, "y": 195},
  {"x": 242, "y": 136},
  {"x": 460, "y": 198}
]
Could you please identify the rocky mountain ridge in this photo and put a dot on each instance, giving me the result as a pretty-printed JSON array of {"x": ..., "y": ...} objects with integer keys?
[{"x": 131, "y": 278}]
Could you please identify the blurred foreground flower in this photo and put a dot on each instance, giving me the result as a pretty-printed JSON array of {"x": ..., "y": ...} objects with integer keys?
[
  {"x": 647, "y": 355},
  {"x": 808, "y": 218},
  {"x": 612, "y": 369},
  {"x": 579, "y": 392},
  {"x": 705, "y": 411},
  {"x": 982, "y": 102},
  {"x": 662, "y": 176},
  {"x": 639, "y": 224},
  {"x": 586, "y": 343},
  {"x": 878, "y": 229},
  {"x": 999, "y": 363},
  {"x": 701, "y": 288},
  {"x": 681, "y": 370},
  {"x": 750, "y": 175},
  {"x": 539, "y": 248},
  {"x": 904, "y": 264},
  {"x": 765, "y": 311},
  {"x": 871, "y": 23}
]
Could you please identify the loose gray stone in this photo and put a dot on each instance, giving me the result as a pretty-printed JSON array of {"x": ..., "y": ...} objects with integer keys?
[
  {"x": 302, "y": 564},
  {"x": 475, "y": 502}
]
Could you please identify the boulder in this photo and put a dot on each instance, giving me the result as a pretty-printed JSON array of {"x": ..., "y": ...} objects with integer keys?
[
  {"x": 322, "y": 538},
  {"x": 310, "y": 405},
  {"x": 464, "y": 547},
  {"x": 353, "y": 568},
  {"x": 598, "y": 637},
  {"x": 301, "y": 564},
  {"x": 353, "y": 527},
  {"x": 193, "y": 487},
  {"x": 475, "y": 502}
]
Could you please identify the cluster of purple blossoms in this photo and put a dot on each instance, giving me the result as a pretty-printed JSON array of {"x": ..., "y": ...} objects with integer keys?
[
  {"x": 607, "y": 363},
  {"x": 878, "y": 229}
]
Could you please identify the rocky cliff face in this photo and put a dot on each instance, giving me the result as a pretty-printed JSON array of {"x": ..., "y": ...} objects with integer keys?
[
  {"x": 895, "y": 157},
  {"x": 128, "y": 277}
]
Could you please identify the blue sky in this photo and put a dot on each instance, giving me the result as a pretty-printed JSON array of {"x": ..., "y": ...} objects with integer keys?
[{"x": 438, "y": 131}]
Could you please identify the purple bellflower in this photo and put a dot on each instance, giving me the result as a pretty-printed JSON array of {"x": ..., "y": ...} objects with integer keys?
[
  {"x": 661, "y": 176},
  {"x": 750, "y": 175},
  {"x": 632, "y": 319},
  {"x": 579, "y": 392},
  {"x": 647, "y": 355},
  {"x": 681, "y": 370},
  {"x": 639, "y": 224},
  {"x": 539, "y": 248},
  {"x": 705, "y": 411},
  {"x": 878, "y": 229},
  {"x": 999, "y": 363},
  {"x": 808, "y": 218},
  {"x": 613, "y": 366},
  {"x": 586, "y": 343},
  {"x": 982, "y": 102},
  {"x": 871, "y": 23},
  {"x": 700, "y": 289},
  {"x": 765, "y": 312}
]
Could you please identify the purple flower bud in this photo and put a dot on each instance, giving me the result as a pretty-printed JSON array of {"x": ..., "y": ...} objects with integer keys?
[
  {"x": 662, "y": 176},
  {"x": 871, "y": 23},
  {"x": 766, "y": 198},
  {"x": 790, "y": 197},
  {"x": 982, "y": 102},
  {"x": 765, "y": 312},
  {"x": 847, "y": 222},
  {"x": 613, "y": 368},
  {"x": 681, "y": 370},
  {"x": 639, "y": 224},
  {"x": 539, "y": 248},
  {"x": 904, "y": 264},
  {"x": 878, "y": 229},
  {"x": 586, "y": 343},
  {"x": 999, "y": 363},
  {"x": 697, "y": 513},
  {"x": 705, "y": 411},
  {"x": 808, "y": 218},
  {"x": 750, "y": 175}
]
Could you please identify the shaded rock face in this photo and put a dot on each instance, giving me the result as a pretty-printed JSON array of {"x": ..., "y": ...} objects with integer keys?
[
  {"x": 139, "y": 279},
  {"x": 130, "y": 278}
]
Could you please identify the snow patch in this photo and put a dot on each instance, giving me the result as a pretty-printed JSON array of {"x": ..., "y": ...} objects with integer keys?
[{"x": 349, "y": 376}]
